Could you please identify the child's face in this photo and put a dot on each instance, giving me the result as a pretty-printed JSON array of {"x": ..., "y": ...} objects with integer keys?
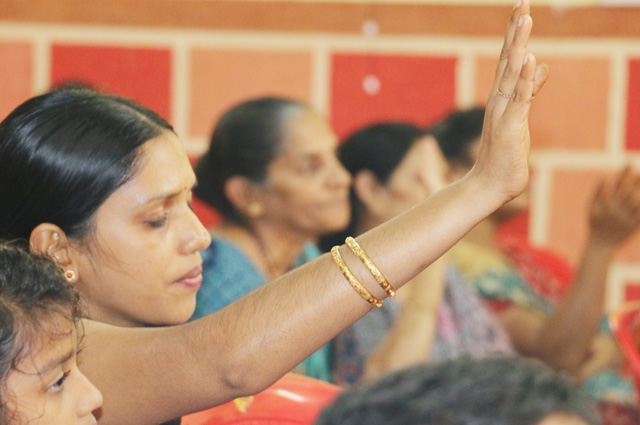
[{"x": 47, "y": 387}]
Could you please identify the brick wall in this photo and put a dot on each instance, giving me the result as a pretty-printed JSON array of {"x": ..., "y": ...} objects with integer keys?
[{"x": 191, "y": 59}]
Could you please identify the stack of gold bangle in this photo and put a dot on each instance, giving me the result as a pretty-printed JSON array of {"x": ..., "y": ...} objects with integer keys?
[{"x": 353, "y": 281}]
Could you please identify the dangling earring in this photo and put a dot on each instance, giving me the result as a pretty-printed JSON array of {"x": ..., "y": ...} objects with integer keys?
[
  {"x": 70, "y": 276},
  {"x": 254, "y": 209}
]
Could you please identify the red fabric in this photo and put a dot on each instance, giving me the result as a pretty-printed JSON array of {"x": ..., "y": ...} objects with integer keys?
[
  {"x": 546, "y": 272},
  {"x": 616, "y": 414},
  {"x": 208, "y": 216},
  {"x": 625, "y": 324}
]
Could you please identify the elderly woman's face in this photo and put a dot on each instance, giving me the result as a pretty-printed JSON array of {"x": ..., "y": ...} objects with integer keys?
[{"x": 307, "y": 189}]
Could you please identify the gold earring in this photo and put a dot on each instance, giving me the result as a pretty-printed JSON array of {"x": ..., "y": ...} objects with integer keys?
[
  {"x": 70, "y": 276},
  {"x": 254, "y": 209}
]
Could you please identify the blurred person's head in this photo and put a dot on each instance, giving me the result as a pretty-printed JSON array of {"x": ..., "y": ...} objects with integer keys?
[
  {"x": 394, "y": 165},
  {"x": 466, "y": 391},
  {"x": 271, "y": 162}
]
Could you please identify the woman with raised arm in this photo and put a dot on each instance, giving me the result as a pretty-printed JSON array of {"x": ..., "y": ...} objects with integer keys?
[{"x": 133, "y": 247}]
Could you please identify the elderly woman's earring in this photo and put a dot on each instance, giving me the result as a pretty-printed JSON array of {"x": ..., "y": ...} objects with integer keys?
[
  {"x": 70, "y": 276},
  {"x": 254, "y": 209}
]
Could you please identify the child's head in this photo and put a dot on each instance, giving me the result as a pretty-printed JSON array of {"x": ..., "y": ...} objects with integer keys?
[{"x": 40, "y": 381}]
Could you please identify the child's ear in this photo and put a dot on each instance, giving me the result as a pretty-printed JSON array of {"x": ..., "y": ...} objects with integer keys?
[{"x": 51, "y": 240}]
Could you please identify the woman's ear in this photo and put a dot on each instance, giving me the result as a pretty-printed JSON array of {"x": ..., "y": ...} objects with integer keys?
[
  {"x": 51, "y": 240},
  {"x": 367, "y": 189},
  {"x": 240, "y": 192}
]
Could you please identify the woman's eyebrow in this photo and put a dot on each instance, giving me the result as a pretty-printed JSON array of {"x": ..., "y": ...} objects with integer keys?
[
  {"x": 164, "y": 196},
  {"x": 161, "y": 197}
]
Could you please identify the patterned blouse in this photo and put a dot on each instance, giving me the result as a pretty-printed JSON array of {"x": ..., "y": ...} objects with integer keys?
[{"x": 464, "y": 327}]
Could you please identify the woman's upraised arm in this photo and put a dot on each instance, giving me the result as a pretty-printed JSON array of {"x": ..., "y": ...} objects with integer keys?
[
  {"x": 151, "y": 375},
  {"x": 565, "y": 339}
]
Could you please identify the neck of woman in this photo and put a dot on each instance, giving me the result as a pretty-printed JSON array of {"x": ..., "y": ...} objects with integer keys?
[{"x": 273, "y": 251}]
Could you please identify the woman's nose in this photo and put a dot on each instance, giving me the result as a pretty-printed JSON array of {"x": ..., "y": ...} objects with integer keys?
[
  {"x": 339, "y": 176},
  {"x": 198, "y": 237}
]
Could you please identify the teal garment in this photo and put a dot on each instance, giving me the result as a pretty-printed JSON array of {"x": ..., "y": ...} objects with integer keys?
[
  {"x": 228, "y": 274},
  {"x": 498, "y": 281}
]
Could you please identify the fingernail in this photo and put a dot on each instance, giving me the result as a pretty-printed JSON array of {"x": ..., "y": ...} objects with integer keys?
[
  {"x": 526, "y": 59},
  {"x": 518, "y": 3},
  {"x": 521, "y": 20}
]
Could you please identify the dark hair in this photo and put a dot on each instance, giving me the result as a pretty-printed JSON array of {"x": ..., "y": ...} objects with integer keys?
[
  {"x": 378, "y": 148},
  {"x": 456, "y": 132},
  {"x": 465, "y": 391},
  {"x": 32, "y": 292},
  {"x": 244, "y": 142},
  {"x": 62, "y": 154}
]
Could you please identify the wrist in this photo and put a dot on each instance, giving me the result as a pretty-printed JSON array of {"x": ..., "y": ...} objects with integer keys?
[{"x": 484, "y": 191}]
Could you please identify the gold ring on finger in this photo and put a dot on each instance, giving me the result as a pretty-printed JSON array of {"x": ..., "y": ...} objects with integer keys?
[{"x": 501, "y": 93}]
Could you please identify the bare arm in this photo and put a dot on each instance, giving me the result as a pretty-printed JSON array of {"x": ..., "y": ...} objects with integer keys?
[
  {"x": 152, "y": 375},
  {"x": 565, "y": 339}
]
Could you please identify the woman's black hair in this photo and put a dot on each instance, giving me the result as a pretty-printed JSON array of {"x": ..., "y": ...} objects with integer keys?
[
  {"x": 379, "y": 148},
  {"x": 33, "y": 292},
  {"x": 244, "y": 142},
  {"x": 456, "y": 132},
  {"x": 63, "y": 153}
]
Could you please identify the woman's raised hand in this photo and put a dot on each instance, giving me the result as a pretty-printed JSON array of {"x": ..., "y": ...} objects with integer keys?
[
  {"x": 503, "y": 158},
  {"x": 615, "y": 208}
]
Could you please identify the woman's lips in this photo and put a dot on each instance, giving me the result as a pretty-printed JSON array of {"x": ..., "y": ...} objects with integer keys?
[{"x": 192, "y": 279}]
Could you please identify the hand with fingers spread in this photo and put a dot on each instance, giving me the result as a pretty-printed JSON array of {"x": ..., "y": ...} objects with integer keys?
[
  {"x": 615, "y": 209},
  {"x": 503, "y": 155}
]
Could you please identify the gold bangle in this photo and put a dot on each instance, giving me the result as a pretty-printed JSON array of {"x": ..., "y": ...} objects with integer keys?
[
  {"x": 377, "y": 274},
  {"x": 357, "y": 286}
]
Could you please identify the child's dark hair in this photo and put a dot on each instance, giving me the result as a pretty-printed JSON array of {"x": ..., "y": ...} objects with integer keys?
[{"x": 33, "y": 292}]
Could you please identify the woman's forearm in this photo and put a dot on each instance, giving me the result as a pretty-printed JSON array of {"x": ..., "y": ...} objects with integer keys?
[{"x": 566, "y": 336}]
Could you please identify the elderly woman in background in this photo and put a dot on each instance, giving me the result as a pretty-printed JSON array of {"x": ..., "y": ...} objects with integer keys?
[{"x": 272, "y": 174}]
